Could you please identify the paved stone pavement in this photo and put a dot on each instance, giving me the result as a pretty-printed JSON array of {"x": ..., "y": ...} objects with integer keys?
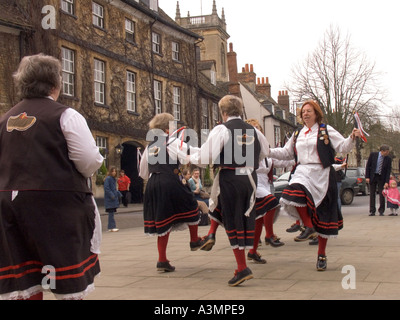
[{"x": 369, "y": 244}]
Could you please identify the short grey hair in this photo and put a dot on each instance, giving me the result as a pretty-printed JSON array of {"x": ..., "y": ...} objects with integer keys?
[
  {"x": 232, "y": 105},
  {"x": 37, "y": 76}
]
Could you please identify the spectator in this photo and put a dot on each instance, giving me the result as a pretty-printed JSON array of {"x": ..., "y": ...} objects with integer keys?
[
  {"x": 123, "y": 186},
  {"x": 196, "y": 186},
  {"x": 377, "y": 174},
  {"x": 111, "y": 198}
]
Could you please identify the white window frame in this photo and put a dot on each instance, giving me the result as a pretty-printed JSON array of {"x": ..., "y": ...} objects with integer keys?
[
  {"x": 204, "y": 114},
  {"x": 154, "y": 5},
  {"x": 277, "y": 136},
  {"x": 213, "y": 75},
  {"x": 215, "y": 113},
  {"x": 99, "y": 81},
  {"x": 131, "y": 91},
  {"x": 129, "y": 30},
  {"x": 68, "y": 71},
  {"x": 98, "y": 15},
  {"x": 102, "y": 143},
  {"x": 68, "y": 6},
  {"x": 156, "y": 42},
  {"x": 177, "y": 94},
  {"x": 176, "y": 48},
  {"x": 158, "y": 96}
]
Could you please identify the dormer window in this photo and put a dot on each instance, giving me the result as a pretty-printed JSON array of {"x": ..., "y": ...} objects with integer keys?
[{"x": 154, "y": 5}]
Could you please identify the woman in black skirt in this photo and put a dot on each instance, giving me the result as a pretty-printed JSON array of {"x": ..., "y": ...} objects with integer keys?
[
  {"x": 168, "y": 204},
  {"x": 312, "y": 192}
]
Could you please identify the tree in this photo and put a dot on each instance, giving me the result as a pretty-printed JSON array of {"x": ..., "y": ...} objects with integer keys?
[{"x": 341, "y": 80}]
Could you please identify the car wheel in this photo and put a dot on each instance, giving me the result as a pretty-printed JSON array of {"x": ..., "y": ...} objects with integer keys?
[{"x": 347, "y": 197}]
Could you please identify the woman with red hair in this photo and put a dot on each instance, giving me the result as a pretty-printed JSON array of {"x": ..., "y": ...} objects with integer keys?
[{"x": 312, "y": 193}]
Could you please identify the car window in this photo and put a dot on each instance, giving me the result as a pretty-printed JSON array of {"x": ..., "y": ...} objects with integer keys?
[
  {"x": 284, "y": 177},
  {"x": 351, "y": 173}
]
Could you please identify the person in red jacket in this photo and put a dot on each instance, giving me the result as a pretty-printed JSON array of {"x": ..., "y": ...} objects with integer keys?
[{"x": 123, "y": 186}]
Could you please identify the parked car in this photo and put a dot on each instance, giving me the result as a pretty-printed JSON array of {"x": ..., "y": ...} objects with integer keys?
[
  {"x": 359, "y": 173},
  {"x": 350, "y": 187},
  {"x": 280, "y": 183}
]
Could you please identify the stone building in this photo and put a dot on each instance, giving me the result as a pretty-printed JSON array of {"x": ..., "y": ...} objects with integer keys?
[{"x": 123, "y": 62}]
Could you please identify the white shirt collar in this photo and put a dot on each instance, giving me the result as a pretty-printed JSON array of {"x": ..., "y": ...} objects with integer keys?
[
  {"x": 233, "y": 117},
  {"x": 313, "y": 128}
]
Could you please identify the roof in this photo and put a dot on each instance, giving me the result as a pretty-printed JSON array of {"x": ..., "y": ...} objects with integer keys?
[
  {"x": 205, "y": 64},
  {"x": 162, "y": 17}
]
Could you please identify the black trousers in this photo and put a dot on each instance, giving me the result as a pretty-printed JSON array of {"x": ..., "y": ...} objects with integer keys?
[{"x": 377, "y": 183}]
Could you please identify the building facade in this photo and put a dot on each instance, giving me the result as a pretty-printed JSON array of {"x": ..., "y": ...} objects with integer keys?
[{"x": 123, "y": 62}]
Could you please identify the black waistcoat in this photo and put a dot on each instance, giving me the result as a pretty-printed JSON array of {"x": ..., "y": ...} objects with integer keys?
[
  {"x": 325, "y": 150},
  {"x": 243, "y": 148}
]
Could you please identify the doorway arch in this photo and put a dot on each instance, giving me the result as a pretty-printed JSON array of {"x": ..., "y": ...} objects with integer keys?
[{"x": 130, "y": 160}]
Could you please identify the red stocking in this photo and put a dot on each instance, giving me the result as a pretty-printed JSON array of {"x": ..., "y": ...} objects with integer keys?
[
  {"x": 162, "y": 243},
  {"x": 269, "y": 222},
  {"x": 257, "y": 235},
  {"x": 213, "y": 227},
  {"x": 305, "y": 217},
  {"x": 322, "y": 245},
  {"x": 194, "y": 233},
  {"x": 240, "y": 259}
]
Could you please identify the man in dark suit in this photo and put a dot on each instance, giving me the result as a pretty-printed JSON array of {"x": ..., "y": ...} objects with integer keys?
[{"x": 377, "y": 174}]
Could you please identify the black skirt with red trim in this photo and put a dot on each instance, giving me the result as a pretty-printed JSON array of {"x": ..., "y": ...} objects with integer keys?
[
  {"x": 327, "y": 218},
  {"x": 263, "y": 205},
  {"x": 46, "y": 228},
  {"x": 168, "y": 205},
  {"x": 233, "y": 202}
]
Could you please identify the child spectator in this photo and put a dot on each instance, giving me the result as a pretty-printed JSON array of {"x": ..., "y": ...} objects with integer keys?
[{"x": 393, "y": 197}]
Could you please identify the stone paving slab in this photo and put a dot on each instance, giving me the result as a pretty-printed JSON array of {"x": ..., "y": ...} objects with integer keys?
[{"x": 370, "y": 244}]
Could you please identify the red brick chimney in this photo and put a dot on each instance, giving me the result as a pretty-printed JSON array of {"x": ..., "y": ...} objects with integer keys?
[
  {"x": 283, "y": 100},
  {"x": 248, "y": 76},
  {"x": 234, "y": 86},
  {"x": 263, "y": 87},
  {"x": 232, "y": 64}
]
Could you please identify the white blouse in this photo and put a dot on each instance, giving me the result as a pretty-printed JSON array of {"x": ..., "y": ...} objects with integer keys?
[
  {"x": 309, "y": 171},
  {"x": 263, "y": 184}
]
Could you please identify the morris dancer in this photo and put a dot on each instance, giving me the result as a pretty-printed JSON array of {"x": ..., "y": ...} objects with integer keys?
[
  {"x": 168, "y": 204},
  {"x": 267, "y": 206},
  {"x": 47, "y": 218},
  {"x": 236, "y": 148},
  {"x": 312, "y": 192}
]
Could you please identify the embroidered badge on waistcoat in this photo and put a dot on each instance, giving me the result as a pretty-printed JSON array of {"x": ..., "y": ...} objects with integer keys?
[
  {"x": 323, "y": 134},
  {"x": 21, "y": 122},
  {"x": 154, "y": 151},
  {"x": 245, "y": 139}
]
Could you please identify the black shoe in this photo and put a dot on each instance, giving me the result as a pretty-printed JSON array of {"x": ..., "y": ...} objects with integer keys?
[
  {"x": 241, "y": 276},
  {"x": 165, "y": 266},
  {"x": 197, "y": 244},
  {"x": 274, "y": 242},
  {"x": 381, "y": 214},
  {"x": 372, "y": 214},
  {"x": 321, "y": 262},
  {"x": 313, "y": 241},
  {"x": 293, "y": 228},
  {"x": 256, "y": 257},
  {"x": 209, "y": 242},
  {"x": 308, "y": 233}
]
